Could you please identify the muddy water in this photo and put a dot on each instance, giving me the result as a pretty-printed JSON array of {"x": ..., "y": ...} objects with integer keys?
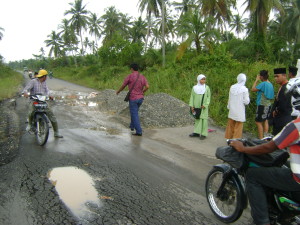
[{"x": 76, "y": 189}]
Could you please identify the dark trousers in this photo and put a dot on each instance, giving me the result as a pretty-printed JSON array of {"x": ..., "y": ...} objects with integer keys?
[
  {"x": 273, "y": 177},
  {"x": 134, "y": 106}
]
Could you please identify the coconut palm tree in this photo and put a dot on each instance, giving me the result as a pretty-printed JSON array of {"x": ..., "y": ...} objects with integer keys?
[
  {"x": 220, "y": 10},
  {"x": 1, "y": 34},
  {"x": 138, "y": 30},
  {"x": 79, "y": 19},
  {"x": 169, "y": 25},
  {"x": 55, "y": 43},
  {"x": 260, "y": 12},
  {"x": 184, "y": 6},
  {"x": 291, "y": 25},
  {"x": 111, "y": 23},
  {"x": 238, "y": 24},
  {"x": 94, "y": 24},
  {"x": 125, "y": 22},
  {"x": 68, "y": 36},
  {"x": 194, "y": 31},
  {"x": 152, "y": 8}
]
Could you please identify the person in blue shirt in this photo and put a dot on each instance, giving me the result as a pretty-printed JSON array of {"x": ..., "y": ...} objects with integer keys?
[{"x": 265, "y": 94}]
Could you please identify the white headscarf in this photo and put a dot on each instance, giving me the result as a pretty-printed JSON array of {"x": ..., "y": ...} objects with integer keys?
[
  {"x": 239, "y": 87},
  {"x": 199, "y": 88}
]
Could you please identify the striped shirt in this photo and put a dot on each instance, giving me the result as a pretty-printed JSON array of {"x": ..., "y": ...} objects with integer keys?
[
  {"x": 36, "y": 87},
  {"x": 289, "y": 137}
]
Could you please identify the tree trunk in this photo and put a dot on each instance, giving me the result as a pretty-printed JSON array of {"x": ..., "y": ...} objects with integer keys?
[
  {"x": 148, "y": 31},
  {"x": 163, "y": 33}
]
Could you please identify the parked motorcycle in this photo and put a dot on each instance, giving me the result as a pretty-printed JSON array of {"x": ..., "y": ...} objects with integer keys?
[
  {"x": 40, "y": 122},
  {"x": 225, "y": 186}
]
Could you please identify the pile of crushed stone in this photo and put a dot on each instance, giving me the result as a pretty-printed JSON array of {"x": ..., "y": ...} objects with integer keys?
[{"x": 157, "y": 111}]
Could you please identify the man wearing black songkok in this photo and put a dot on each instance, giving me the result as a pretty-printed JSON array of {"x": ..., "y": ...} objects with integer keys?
[{"x": 282, "y": 108}]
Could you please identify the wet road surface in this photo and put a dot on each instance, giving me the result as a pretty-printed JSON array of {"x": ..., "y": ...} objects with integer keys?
[{"x": 100, "y": 174}]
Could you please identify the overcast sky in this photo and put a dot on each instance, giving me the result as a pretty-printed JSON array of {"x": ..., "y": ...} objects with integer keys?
[{"x": 28, "y": 22}]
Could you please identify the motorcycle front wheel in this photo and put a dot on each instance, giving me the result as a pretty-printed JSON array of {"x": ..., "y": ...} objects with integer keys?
[
  {"x": 42, "y": 129},
  {"x": 227, "y": 207}
]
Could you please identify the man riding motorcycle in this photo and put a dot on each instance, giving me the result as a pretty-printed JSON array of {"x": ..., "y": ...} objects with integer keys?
[
  {"x": 39, "y": 86},
  {"x": 286, "y": 179}
]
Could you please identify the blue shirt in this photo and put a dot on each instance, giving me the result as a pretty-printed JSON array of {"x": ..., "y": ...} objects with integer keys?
[{"x": 265, "y": 88}]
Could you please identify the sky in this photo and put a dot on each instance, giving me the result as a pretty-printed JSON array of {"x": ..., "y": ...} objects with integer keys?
[{"x": 27, "y": 23}]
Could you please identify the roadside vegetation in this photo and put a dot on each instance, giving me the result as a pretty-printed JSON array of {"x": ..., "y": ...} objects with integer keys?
[
  {"x": 173, "y": 47},
  {"x": 10, "y": 80}
]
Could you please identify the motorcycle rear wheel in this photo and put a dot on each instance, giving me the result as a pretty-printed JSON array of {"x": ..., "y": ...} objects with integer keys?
[
  {"x": 228, "y": 207},
  {"x": 42, "y": 129}
]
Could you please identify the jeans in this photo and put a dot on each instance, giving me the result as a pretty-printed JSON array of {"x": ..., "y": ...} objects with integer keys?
[
  {"x": 273, "y": 177},
  {"x": 134, "y": 106}
]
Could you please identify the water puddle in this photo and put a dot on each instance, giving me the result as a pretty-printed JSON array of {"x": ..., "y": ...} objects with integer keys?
[
  {"x": 76, "y": 189},
  {"x": 110, "y": 131}
]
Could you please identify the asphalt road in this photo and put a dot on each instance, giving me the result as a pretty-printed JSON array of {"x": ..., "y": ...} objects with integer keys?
[{"x": 100, "y": 174}]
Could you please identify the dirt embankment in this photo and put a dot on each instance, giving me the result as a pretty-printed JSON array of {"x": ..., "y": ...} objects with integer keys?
[{"x": 9, "y": 131}]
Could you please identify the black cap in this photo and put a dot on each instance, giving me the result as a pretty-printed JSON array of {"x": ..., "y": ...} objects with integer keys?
[
  {"x": 293, "y": 70},
  {"x": 280, "y": 71}
]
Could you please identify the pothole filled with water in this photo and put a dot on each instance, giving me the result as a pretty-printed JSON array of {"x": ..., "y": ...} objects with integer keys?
[{"x": 76, "y": 189}]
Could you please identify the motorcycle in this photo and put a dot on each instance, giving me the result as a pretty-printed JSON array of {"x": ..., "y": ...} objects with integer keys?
[
  {"x": 225, "y": 186},
  {"x": 40, "y": 121}
]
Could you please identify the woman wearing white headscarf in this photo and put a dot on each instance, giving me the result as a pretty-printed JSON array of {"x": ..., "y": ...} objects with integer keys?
[
  {"x": 200, "y": 94},
  {"x": 238, "y": 99}
]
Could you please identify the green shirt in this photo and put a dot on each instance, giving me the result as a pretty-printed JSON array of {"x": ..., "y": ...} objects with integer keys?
[{"x": 196, "y": 99}]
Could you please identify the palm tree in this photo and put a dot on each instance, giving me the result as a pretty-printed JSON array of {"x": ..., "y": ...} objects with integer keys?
[
  {"x": 184, "y": 6},
  {"x": 259, "y": 13},
  {"x": 79, "y": 18},
  {"x": 42, "y": 51},
  {"x": 87, "y": 43},
  {"x": 68, "y": 36},
  {"x": 291, "y": 25},
  {"x": 55, "y": 43},
  {"x": 193, "y": 30},
  {"x": 151, "y": 7},
  {"x": 138, "y": 30},
  {"x": 111, "y": 23},
  {"x": 238, "y": 24},
  {"x": 125, "y": 22},
  {"x": 220, "y": 10},
  {"x": 1, "y": 34},
  {"x": 169, "y": 25},
  {"x": 94, "y": 24}
]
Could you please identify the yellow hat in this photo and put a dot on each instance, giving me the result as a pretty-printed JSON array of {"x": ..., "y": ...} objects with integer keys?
[{"x": 42, "y": 73}]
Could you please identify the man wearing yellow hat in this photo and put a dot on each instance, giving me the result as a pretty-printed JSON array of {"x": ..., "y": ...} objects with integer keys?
[{"x": 39, "y": 86}]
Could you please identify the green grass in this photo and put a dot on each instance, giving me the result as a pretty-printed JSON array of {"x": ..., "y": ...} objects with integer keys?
[{"x": 10, "y": 80}]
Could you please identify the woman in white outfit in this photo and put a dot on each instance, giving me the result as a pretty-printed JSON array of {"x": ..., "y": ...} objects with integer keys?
[{"x": 238, "y": 99}]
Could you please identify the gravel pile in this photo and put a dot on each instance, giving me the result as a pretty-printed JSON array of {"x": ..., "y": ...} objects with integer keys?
[{"x": 158, "y": 110}]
